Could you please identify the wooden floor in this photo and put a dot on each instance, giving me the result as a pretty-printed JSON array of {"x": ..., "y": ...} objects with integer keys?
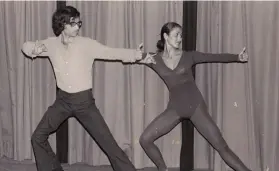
[
  {"x": 27, "y": 165},
  {"x": 74, "y": 167},
  {"x": 7, "y": 164}
]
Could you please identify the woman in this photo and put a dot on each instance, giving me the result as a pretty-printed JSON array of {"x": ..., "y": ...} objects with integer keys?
[{"x": 174, "y": 66}]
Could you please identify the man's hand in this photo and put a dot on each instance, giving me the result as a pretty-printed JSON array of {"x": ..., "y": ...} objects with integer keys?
[
  {"x": 39, "y": 48},
  {"x": 149, "y": 59},
  {"x": 139, "y": 52},
  {"x": 243, "y": 56}
]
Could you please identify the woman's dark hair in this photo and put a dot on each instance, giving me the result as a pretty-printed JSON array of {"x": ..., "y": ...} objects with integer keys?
[
  {"x": 167, "y": 28},
  {"x": 61, "y": 17}
]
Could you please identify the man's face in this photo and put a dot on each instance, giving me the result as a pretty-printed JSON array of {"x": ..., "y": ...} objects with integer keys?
[{"x": 71, "y": 29}]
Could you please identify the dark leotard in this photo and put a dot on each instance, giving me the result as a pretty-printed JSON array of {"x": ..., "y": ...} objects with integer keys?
[{"x": 184, "y": 94}]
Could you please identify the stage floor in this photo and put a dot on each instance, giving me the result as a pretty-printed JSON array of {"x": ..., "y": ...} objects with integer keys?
[{"x": 7, "y": 164}]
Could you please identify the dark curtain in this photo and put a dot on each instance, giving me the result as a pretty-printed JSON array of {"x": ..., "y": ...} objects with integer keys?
[
  {"x": 189, "y": 44},
  {"x": 62, "y": 132}
]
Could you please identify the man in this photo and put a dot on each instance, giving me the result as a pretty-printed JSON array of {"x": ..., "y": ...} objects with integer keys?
[{"x": 72, "y": 57}]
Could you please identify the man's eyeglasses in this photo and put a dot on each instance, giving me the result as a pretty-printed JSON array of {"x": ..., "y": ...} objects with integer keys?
[{"x": 73, "y": 24}]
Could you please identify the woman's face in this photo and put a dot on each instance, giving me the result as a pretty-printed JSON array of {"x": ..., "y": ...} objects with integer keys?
[{"x": 174, "y": 39}]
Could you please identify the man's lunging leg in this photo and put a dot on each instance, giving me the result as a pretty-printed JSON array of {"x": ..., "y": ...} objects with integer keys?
[
  {"x": 94, "y": 123},
  {"x": 46, "y": 159}
]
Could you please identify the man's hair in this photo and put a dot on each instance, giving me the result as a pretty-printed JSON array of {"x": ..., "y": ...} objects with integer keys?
[{"x": 61, "y": 17}]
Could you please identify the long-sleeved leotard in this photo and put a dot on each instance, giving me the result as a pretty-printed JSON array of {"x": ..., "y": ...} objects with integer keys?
[
  {"x": 186, "y": 102},
  {"x": 184, "y": 94}
]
